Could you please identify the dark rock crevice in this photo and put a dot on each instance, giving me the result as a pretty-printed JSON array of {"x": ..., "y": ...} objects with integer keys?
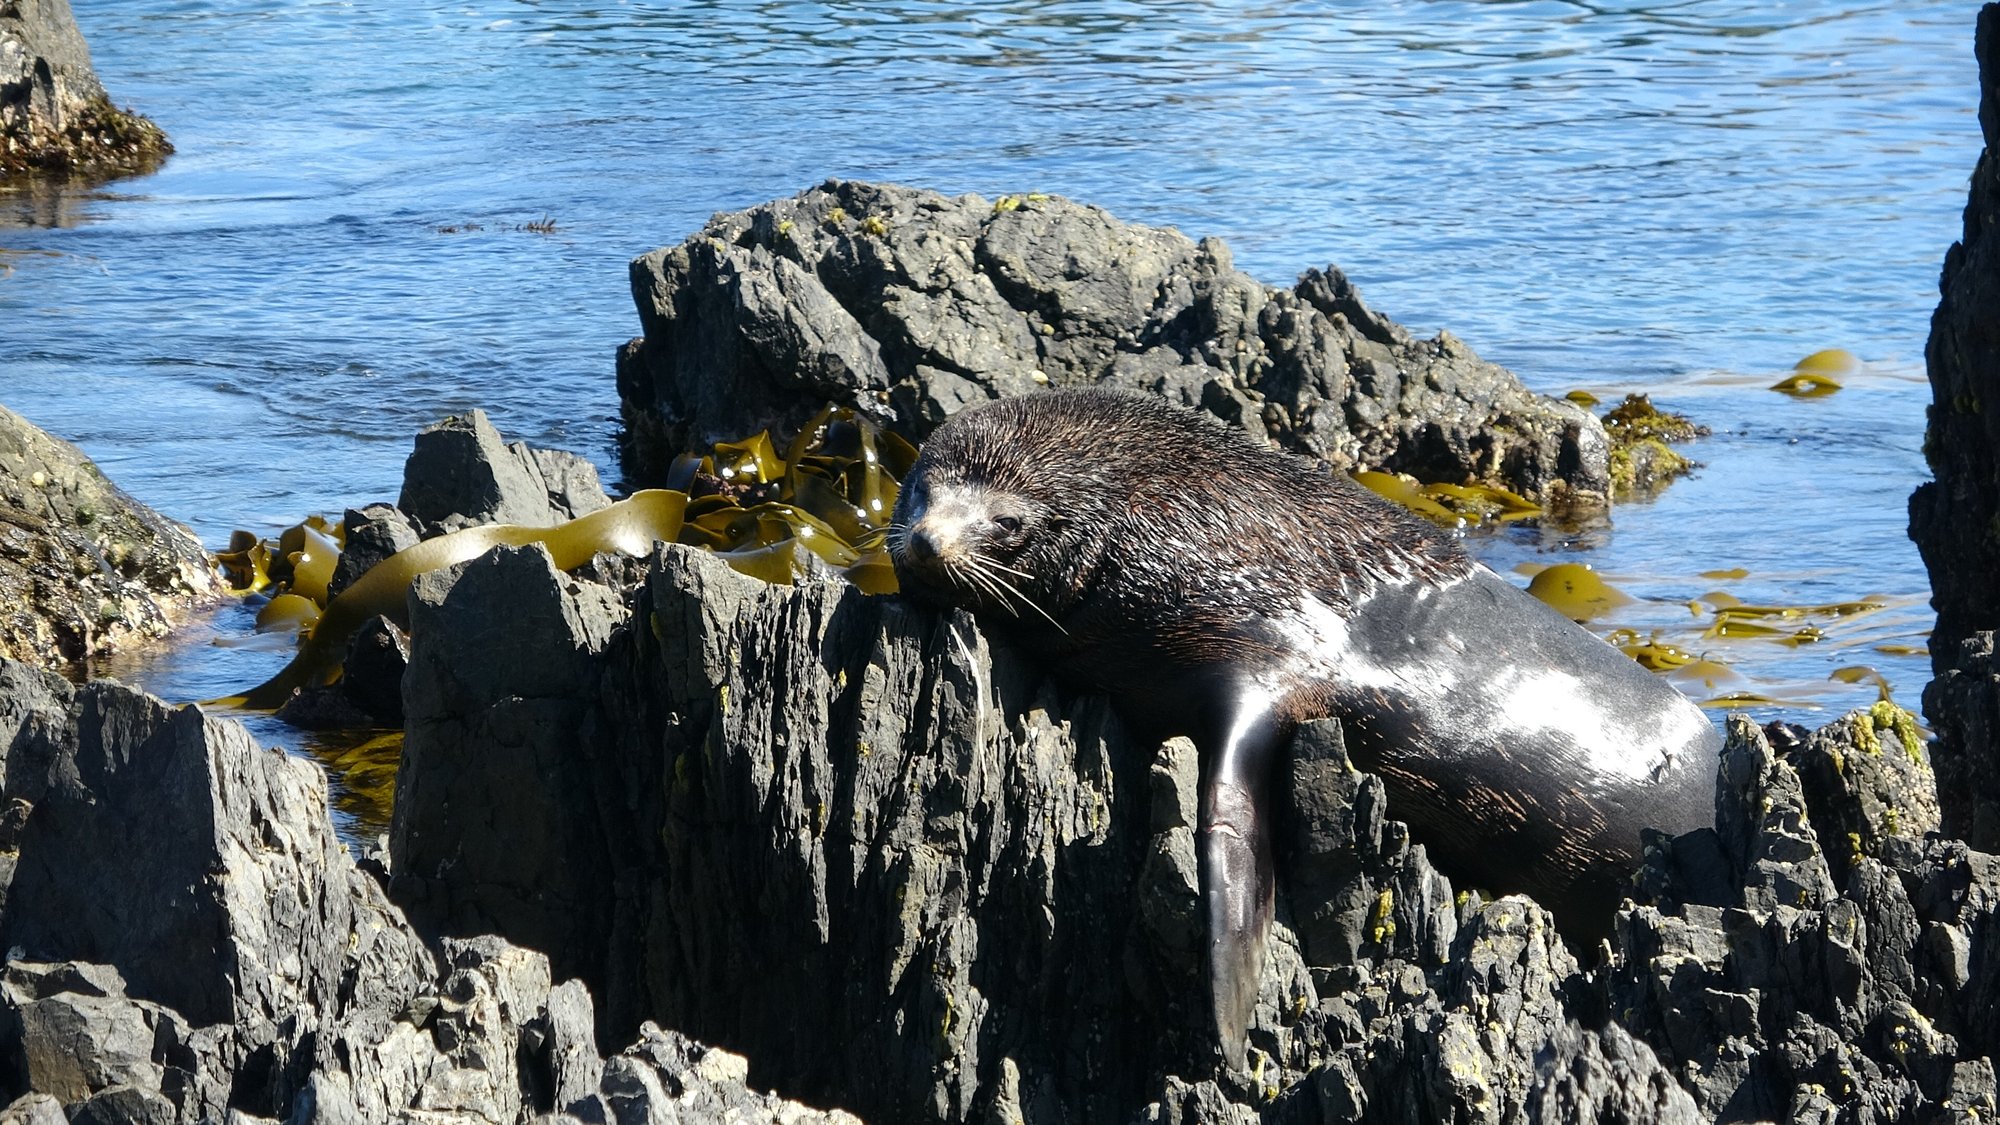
[{"x": 1955, "y": 519}]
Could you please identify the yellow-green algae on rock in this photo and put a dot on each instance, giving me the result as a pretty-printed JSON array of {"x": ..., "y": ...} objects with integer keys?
[{"x": 1641, "y": 460}]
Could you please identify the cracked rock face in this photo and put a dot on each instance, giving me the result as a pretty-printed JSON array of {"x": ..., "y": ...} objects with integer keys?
[
  {"x": 189, "y": 942},
  {"x": 910, "y": 305},
  {"x": 889, "y": 867},
  {"x": 774, "y": 808},
  {"x": 1955, "y": 519}
]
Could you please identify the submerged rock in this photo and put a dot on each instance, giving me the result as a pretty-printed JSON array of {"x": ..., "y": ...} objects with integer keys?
[
  {"x": 909, "y": 305},
  {"x": 84, "y": 568},
  {"x": 54, "y": 114}
]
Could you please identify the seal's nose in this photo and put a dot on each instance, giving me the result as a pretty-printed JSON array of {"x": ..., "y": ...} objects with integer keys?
[{"x": 919, "y": 545}]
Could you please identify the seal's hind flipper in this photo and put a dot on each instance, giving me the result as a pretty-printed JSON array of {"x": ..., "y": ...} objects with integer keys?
[{"x": 1238, "y": 886}]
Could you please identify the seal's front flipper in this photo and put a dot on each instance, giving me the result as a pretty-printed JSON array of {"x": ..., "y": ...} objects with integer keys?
[{"x": 1238, "y": 887}]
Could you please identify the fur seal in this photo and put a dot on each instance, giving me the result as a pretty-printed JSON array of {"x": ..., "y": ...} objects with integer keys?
[{"x": 1226, "y": 591}]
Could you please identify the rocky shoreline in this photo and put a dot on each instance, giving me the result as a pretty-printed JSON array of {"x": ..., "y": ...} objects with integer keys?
[{"x": 667, "y": 837}]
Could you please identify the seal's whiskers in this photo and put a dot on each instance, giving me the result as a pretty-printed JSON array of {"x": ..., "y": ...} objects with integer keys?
[{"x": 983, "y": 564}]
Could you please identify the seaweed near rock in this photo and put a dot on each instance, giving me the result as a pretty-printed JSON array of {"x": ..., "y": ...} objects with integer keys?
[
  {"x": 629, "y": 527},
  {"x": 55, "y": 116},
  {"x": 819, "y": 509},
  {"x": 1642, "y": 459},
  {"x": 1450, "y": 505}
]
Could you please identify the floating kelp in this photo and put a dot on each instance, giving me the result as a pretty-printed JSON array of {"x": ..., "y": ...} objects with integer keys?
[
  {"x": 1805, "y": 385},
  {"x": 1729, "y": 626},
  {"x": 1732, "y": 572},
  {"x": 1829, "y": 361},
  {"x": 1738, "y": 700},
  {"x": 1451, "y": 505},
  {"x": 629, "y": 527},
  {"x": 821, "y": 508},
  {"x": 288, "y": 613},
  {"x": 1652, "y": 653},
  {"x": 1582, "y": 398},
  {"x": 1406, "y": 491},
  {"x": 362, "y": 764},
  {"x": 1827, "y": 609},
  {"x": 1814, "y": 375},
  {"x": 246, "y": 564},
  {"x": 251, "y": 564},
  {"x": 1577, "y": 592},
  {"x": 1657, "y": 655},
  {"x": 1863, "y": 674}
]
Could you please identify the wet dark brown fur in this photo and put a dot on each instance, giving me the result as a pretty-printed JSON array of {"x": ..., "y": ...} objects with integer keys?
[
  {"x": 1228, "y": 592},
  {"x": 1152, "y": 534}
]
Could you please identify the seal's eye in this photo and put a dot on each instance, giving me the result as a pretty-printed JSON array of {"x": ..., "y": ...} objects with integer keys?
[{"x": 1008, "y": 524}]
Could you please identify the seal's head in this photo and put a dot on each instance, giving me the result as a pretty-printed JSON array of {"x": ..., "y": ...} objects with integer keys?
[{"x": 985, "y": 518}]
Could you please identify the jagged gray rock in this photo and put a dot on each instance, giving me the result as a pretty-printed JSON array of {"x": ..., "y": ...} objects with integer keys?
[
  {"x": 756, "y": 808},
  {"x": 188, "y": 942},
  {"x": 1963, "y": 704},
  {"x": 461, "y": 473},
  {"x": 665, "y": 1078},
  {"x": 84, "y": 568},
  {"x": 821, "y": 794},
  {"x": 909, "y": 305},
  {"x": 163, "y": 832},
  {"x": 502, "y": 722},
  {"x": 805, "y": 807},
  {"x": 34, "y": 1109},
  {"x": 1795, "y": 999},
  {"x": 1953, "y": 517},
  {"x": 369, "y": 535}
]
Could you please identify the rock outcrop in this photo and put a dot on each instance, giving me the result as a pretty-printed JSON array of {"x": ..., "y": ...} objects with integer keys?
[
  {"x": 804, "y": 807},
  {"x": 909, "y": 305},
  {"x": 84, "y": 568},
  {"x": 1955, "y": 519},
  {"x": 462, "y": 473},
  {"x": 54, "y": 114},
  {"x": 886, "y": 866},
  {"x": 189, "y": 942}
]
